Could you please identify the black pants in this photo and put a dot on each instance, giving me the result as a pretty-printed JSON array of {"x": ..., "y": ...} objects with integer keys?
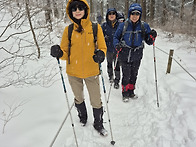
[
  {"x": 130, "y": 72},
  {"x": 111, "y": 59}
]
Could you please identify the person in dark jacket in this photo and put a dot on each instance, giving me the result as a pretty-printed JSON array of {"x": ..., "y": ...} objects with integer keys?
[
  {"x": 120, "y": 17},
  {"x": 99, "y": 18},
  {"x": 109, "y": 27},
  {"x": 129, "y": 39}
]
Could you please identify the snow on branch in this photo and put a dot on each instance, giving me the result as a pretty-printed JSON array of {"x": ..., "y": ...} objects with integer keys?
[{"x": 11, "y": 112}]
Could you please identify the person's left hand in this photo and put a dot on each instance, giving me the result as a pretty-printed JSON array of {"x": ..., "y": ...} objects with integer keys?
[
  {"x": 99, "y": 56},
  {"x": 153, "y": 34}
]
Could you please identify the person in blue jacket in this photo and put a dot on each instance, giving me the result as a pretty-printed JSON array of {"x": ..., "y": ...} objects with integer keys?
[
  {"x": 109, "y": 28},
  {"x": 129, "y": 39}
]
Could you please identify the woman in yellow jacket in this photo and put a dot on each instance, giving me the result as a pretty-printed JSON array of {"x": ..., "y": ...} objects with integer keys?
[{"x": 84, "y": 60}]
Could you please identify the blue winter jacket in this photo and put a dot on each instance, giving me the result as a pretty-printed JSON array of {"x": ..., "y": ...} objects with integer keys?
[
  {"x": 133, "y": 40},
  {"x": 109, "y": 31},
  {"x": 132, "y": 37}
]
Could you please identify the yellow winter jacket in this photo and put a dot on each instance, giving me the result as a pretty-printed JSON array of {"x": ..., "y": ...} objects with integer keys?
[{"x": 82, "y": 49}]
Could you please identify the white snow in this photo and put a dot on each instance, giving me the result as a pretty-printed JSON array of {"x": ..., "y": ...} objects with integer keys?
[{"x": 138, "y": 123}]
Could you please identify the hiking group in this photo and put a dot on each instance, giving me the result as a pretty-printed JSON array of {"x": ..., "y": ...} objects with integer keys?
[{"x": 84, "y": 45}]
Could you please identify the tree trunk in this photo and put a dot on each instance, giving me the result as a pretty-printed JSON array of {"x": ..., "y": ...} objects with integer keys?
[
  {"x": 193, "y": 28},
  {"x": 164, "y": 16},
  {"x": 17, "y": 3},
  {"x": 101, "y": 7},
  {"x": 31, "y": 26},
  {"x": 48, "y": 12},
  {"x": 92, "y": 10},
  {"x": 182, "y": 10},
  {"x": 55, "y": 9},
  {"x": 126, "y": 8},
  {"x": 113, "y": 4},
  {"x": 107, "y": 4},
  {"x": 143, "y": 4},
  {"x": 193, "y": 12},
  {"x": 152, "y": 10}
]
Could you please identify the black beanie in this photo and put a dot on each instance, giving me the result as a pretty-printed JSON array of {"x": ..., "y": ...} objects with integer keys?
[{"x": 78, "y": 3}]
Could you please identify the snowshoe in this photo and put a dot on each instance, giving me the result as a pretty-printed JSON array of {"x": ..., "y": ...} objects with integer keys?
[
  {"x": 116, "y": 85},
  {"x": 125, "y": 99}
]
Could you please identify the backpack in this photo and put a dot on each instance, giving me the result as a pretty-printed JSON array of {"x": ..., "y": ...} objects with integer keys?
[
  {"x": 142, "y": 29},
  {"x": 70, "y": 30}
]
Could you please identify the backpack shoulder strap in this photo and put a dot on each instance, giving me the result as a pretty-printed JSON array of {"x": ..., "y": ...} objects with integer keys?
[
  {"x": 70, "y": 30},
  {"x": 124, "y": 29},
  {"x": 95, "y": 28},
  {"x": 143, "y": 30}
]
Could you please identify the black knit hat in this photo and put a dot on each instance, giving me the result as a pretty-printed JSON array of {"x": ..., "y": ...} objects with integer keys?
[{"x": 77, "y": 3}]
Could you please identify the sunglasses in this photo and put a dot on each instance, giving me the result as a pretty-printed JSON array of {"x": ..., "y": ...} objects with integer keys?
[
  {"x": 79, "y": 7},
  {"x": 111, "y": 13},
  {"x": 135, "y": 13}
]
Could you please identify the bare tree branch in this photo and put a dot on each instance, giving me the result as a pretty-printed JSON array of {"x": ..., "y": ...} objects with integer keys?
[
  {"x": 11, "y": 113},
  {"x": 31, "y": 26}
]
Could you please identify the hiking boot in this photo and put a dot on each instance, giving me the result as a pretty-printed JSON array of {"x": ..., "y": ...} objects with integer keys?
[
  {"x": 82, "y": 113},
  {"x": 101, "y": 130},
  {"x": 116, "y": 85},
  {"x": 98, "y": 121},
  {"x": 126, "y": 96},
  {"x": 125, "y": 99},
  {"x": 111, "y": 79},
  {"x": 133, "y": 96}
]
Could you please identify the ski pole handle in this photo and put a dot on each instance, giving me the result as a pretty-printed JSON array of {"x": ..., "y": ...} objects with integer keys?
[
  {"x": 118, "y": 51},
  {"x": 58, "y": 60},
  {"x": 152, "y": 39}
]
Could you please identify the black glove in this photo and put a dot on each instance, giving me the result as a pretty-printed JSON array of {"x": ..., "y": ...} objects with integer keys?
[
  {"x": 153, "y": 34},
  {"x": 118, "y": 47},
  {"x": 99, "y": 56},
  {"x": 56, "y": 51}
]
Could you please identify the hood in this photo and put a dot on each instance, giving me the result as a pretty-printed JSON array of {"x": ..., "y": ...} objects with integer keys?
[
  {"x": 68, "y": 11},
  {"x": 133, "y": 7},
  {"x": 120, "y": 15},
  {"x": 109, "y": 10}
]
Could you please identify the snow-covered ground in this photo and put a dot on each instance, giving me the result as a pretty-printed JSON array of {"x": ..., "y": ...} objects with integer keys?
[{"x": 138, "y": 123}]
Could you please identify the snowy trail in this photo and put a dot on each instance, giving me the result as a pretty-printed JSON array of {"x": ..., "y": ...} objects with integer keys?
[
  {"x": 138, "y": 123},
  {"x": 141, "y": 118}
]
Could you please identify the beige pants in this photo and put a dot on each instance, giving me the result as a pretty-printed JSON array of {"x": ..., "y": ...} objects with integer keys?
[{"x": 92, "y": 84}]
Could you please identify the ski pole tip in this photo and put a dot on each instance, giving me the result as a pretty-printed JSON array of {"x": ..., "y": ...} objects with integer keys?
[{"x": 112, "y": 142}]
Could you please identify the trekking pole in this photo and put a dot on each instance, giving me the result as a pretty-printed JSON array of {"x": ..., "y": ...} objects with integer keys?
[
  {"x": 104, "y": 90},
  {"x": 61, "y": 126},
  {"x": 116, "y": 61},
  {"x": 117, "y": 58},
  {"x": 155, "y": 70},
  {"x": 60, "y": 68}
]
